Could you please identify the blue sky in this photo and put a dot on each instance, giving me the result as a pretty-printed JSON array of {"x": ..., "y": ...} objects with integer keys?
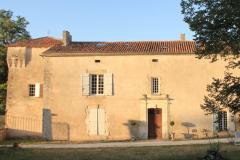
[{"x": 102, "y": 20}]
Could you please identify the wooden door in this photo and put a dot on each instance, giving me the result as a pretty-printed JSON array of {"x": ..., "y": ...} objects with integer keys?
[{"x": 155, "y": 123}]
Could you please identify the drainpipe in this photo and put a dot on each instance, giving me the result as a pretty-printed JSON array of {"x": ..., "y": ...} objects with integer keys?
[
  {"x": 169, "y": 114},
  {"x": 145, "y": 97}
]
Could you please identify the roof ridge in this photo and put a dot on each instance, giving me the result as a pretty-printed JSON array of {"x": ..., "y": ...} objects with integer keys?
[
  {"x": 37, "y": 42},
  {"x": 153, "y": 41},
  {"x": 45, "y": 37},
  {"x": 125, "y": 47}
]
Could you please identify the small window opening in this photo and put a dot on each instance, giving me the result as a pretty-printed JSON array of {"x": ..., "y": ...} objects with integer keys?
[
  {"x": 97, "y": 60},
  {"x": 164, "y": 47},
  {"x": 154, "y": 60},
  {"x": 101, "y": 44}
]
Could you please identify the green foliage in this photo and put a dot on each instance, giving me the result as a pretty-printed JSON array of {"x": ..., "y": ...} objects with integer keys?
[
  {"x": 213, "y": 153},
  {"x": 172, "y": 123},
  {"x": 12, "y": 29},
  {"x": 223, "y": 93},
  {"x": 216, "y": 24},
  {"x": 3, "y": 91}
]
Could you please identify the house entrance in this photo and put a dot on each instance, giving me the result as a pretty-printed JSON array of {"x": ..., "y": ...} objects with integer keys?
[{"x": 155, "y": 123}]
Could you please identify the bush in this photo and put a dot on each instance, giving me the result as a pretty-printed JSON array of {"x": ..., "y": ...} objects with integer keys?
[{"x": 213, "y": 153}]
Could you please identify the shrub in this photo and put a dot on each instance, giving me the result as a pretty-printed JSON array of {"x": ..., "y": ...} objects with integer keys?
[{"x": 213, "y": 153}]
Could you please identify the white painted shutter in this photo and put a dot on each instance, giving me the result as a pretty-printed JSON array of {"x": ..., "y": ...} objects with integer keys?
[
  {"x": 215, "y": 124},
  {"x": 230, "y": 124},
  {"x": 101, "y": 121},
  {"x": 85, "y": 84},
  {"x": 92, "y": 125},
  {"x": 37, "y": 90},
  {"x": 108, "y": 84},
  {"x": 159, "y": 85}
]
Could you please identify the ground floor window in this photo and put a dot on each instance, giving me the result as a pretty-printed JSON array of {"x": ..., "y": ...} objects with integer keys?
[
  {"x": 222, "y": 121},
  {"x": 96, "y": 123}
]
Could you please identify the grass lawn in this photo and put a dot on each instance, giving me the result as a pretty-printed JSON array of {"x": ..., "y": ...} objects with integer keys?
[{"x": 230, "y": 152}]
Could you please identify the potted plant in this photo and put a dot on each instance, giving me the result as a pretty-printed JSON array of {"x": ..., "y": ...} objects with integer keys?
[{"x": 172, "y": 123}]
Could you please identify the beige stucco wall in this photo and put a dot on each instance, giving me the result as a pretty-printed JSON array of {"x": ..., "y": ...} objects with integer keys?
[
  {"x": 24, "y": 113},
  {"x": 183, "y": 78}
]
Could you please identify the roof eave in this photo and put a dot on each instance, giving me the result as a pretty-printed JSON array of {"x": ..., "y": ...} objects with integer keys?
[{"x": 77, "y": 54}]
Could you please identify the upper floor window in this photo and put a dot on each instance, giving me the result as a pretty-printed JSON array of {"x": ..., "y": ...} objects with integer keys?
[
  {"x": 34, "y": 90},
  {"x": 155, "y": 85},
  {"x": 31, "y": 90},
  {"x": 97, "y": 84}
]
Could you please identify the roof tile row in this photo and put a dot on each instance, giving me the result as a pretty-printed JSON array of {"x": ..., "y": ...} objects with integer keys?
[{"x": 79, "y": 48}]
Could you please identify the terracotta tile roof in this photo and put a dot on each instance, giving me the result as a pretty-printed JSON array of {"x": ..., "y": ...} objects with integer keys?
[
  {"x": 38, "y": 42},
  {"x": 118, "y": 48}
]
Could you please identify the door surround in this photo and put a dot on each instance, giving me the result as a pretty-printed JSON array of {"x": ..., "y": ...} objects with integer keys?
[{"x": 155, "y": 102}]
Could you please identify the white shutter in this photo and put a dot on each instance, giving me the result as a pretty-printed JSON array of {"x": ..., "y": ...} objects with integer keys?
[
  {"x": 108, "y": 84},
  {"x": 92, "y": 125},
  {"x": 230, "y": 123},
  {"x": 214, "y": 122},
  {"x": 37, "y": 90},
  {"x": 85, "y": 84},
  {"x": 159, "y": 85},
  {"x": 101, "y": 121}
]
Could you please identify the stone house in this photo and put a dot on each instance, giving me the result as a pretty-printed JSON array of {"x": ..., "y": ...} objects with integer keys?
[{"x": 66, "y": 90}]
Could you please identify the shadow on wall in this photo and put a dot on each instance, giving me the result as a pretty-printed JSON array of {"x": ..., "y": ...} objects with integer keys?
[
  {"x": 188, "y": 126},
  {"x": 2, "y": 121},
  {"x": 28, "y": 56},
  {"x": 23, "y": 127},
  {"x": 54, "y": 130},
  {"x": 22, "y": 134},
  {"x": 134, "y": 127}
]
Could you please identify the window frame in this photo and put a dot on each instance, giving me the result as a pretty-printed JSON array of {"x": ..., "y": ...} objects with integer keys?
[
  {"x": 32, "y": 90},
  {"x": 155, "y": 85},
  {"x": 222, "y": 121},
  {"x": 96, "y": 84}
]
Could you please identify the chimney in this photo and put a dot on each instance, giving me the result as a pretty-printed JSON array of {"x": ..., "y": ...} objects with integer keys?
[
  {"x": 182, "y": 37},
  {"x": 67, "y": 38}
]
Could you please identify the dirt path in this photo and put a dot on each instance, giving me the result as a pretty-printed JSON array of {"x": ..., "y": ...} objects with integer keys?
[{"x": 146, "y": 143}]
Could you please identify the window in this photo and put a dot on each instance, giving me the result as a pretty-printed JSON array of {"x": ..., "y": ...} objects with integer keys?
[
  {"x": 100, "y": 84},
  {"x": 34, "y": 90},
  {"x": 97, "y": 84},
  {"x": 154, "y": 60},
  {"x": 97, "y": 61},
  {"x": 222, "y": 121},
  {"x": 31, "y": 90},
  {"x": 96, "y": 125},
  {"x": 155, "y": 85}
]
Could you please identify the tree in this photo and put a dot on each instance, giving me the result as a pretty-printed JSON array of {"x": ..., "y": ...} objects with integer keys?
[
  {"x": 12, "y": 29},
  {"x": 223, "y": 93},
  {"x": 216, "y": 24}
]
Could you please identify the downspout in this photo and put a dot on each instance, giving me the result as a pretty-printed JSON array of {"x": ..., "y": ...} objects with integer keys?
[{"x": 146, "y": 102}]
